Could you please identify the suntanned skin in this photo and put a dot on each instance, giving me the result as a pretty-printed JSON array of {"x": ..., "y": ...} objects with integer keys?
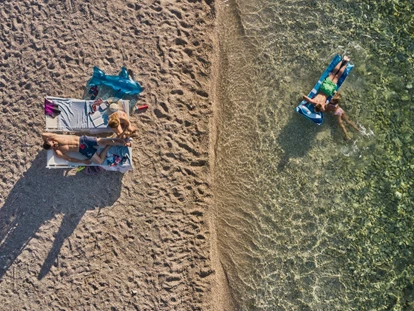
[
  {"x": 124, "y": 126},
  {"x": 344, "y": 117},
  {"x": 334, "y": 75},
  {"x": 321, "y": 98},
  {"x": 62, "y": 144}
]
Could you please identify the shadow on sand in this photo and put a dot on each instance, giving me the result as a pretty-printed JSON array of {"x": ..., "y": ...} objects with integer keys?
[{"x": 40, "y": 195}]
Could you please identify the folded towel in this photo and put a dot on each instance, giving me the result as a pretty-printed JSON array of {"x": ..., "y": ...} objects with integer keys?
[{"x": 51, "y": 109}]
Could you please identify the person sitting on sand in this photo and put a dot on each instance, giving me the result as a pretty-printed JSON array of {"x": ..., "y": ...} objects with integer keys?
[
  {"x": 85, "y": 145},
  {"x": 119, "y": 123},
  {"x": 328, "y": 87}
]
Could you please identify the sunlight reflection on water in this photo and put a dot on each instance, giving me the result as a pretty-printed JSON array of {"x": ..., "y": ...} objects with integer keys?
[{"x": 308, "y": 221}]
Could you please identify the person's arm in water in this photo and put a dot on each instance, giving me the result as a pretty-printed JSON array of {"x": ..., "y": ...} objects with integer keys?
[{"x": 60, "y": 154}]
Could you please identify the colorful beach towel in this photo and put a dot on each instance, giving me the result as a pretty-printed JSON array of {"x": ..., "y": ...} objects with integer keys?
[{"x": 51, "y": 109}]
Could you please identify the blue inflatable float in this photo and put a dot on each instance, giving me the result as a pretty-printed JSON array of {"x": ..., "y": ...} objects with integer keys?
[
  {"x": 307, "y": 109},
  {"x": 121, "y": 84}
]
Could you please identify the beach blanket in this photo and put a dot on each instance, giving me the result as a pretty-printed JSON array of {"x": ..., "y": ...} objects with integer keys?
[
  {"x": 307, "y": 109},
  {"x": 79, "y": 115}
]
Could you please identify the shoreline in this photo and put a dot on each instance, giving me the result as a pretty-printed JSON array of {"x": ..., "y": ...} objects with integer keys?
[
  {"x": 220, "y": 289},
  {"x": 145, "y": 239}
]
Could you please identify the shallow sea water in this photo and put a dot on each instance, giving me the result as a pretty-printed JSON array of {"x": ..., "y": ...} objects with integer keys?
[{"x": 307, "y": 221}]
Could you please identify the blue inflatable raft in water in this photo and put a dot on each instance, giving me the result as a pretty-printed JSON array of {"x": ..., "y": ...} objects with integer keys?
[{"x": 307, "y": 109}]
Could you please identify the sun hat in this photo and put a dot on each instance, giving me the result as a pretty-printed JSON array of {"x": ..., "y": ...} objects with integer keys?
[{"x": 113, "y": 107}]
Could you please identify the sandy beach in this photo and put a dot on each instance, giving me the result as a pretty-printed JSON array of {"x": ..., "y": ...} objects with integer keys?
[{"x": 144, "y": 240}]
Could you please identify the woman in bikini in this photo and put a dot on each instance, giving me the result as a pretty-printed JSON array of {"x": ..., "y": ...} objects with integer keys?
[
  {"x": 340, "y": 115},
  {"x": 119, "y": 123}
]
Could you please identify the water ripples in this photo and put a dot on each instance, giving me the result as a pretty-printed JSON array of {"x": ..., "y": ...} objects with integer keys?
[{"x": 306, "y": 220}]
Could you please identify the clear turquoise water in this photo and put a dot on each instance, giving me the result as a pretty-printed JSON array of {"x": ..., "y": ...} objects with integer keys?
[{"x": 308, "y": 221}]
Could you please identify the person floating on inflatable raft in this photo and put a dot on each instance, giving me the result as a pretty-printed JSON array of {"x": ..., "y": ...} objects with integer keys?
[{"x": 328, "y": 89}]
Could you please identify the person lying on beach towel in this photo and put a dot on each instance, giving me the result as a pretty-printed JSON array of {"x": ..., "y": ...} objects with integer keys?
[
  {"x": 85, "y": 145},
  {"x": 328, "y": 87}
]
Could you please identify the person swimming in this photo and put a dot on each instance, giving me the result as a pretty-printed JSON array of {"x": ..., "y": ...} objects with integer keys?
[{"x": 339, "y": 113}]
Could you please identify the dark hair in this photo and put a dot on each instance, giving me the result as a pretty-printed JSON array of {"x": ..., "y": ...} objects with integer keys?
[
  {"x": 114, "y": 120},
  {"x": 47, "y": 146},
  {"x": 336, "y": 98}
]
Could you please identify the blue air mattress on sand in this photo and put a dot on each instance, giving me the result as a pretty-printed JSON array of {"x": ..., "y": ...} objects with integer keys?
[{"x": 307, "y": 109}]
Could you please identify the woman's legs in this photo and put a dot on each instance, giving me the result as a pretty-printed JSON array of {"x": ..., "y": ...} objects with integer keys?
[
  {"x": 132, "y": 129},
  {"x": 342, "y": 126},
  {"x": 345, "y": 117}
]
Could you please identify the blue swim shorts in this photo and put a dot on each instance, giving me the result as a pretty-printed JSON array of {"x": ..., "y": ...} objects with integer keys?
[{"x": 87, "y": 146}]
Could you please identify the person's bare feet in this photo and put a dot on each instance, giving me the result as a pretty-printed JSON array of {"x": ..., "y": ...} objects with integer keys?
[{"x": 128, "y": 142}]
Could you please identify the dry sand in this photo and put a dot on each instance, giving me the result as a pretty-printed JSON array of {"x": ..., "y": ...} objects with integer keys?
[{"x": 144, "y": 240}]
